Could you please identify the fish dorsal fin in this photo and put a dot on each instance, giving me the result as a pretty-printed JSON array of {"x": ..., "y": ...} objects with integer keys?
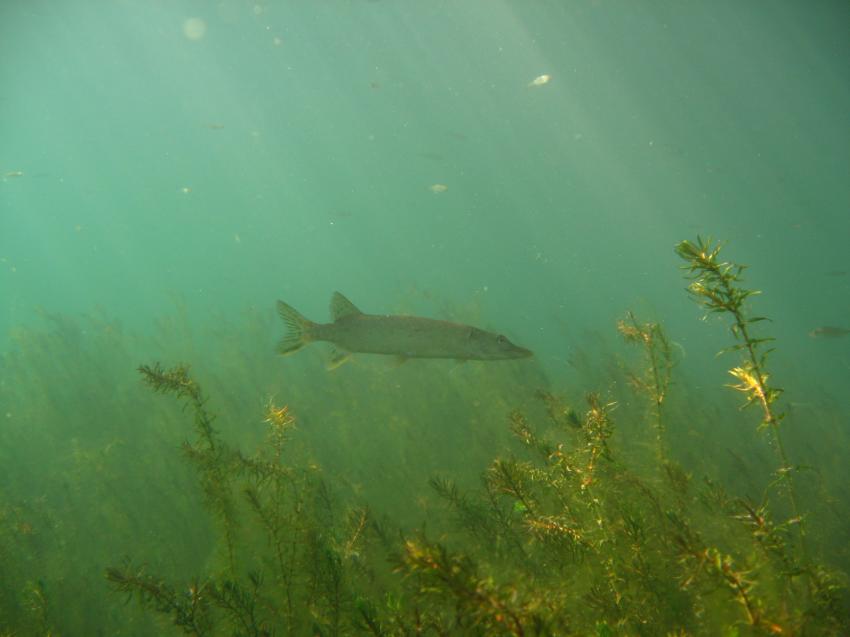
[{"x": 342, "y": 307}]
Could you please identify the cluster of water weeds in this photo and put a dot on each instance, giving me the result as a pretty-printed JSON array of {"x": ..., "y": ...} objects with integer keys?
[{"x": 570, "y": 531}]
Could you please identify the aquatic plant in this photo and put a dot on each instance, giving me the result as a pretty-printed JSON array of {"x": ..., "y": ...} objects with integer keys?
[
  {"x": 655, "y": 382},
  {"x": 214, "y": 460},
  {"x": 300, "y": 579},
  {"x": 640, "y": 554},
  {"x": 569, "y": 532},
  {"x": 573, "y": 527},
  {"x": 716, "y": 286}
]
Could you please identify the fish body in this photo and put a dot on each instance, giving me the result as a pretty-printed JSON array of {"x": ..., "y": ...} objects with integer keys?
[
  {"x": 353, "y": 331},
  {"x": 829, "y": 332}
]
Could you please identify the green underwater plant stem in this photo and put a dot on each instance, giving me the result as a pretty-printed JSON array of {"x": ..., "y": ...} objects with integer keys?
[
  {"x": 306, "y": 553},
  {"x": 189, "y": 610},
  {"x": 479, "y": 603},
  {"x": 657, "y": 381},
  {"x": 213, "y": 457},
  {"x": 715, "y": 285},
  {"x": 39, "y": 606},
  {"x": 701, "y": 560}
]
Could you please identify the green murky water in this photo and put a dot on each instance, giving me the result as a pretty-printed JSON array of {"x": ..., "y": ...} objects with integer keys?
[{"x": 169, "y": 169}]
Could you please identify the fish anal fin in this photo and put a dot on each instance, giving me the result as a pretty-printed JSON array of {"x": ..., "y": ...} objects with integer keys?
[
  {"x": 338, "y": 358},
  {"x": 342, "y": 307}
]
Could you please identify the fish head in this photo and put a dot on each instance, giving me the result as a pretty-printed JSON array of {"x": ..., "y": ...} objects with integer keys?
[{"x": 489, "y": 346}]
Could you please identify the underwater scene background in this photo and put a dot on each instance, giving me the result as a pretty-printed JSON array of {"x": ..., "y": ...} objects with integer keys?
[{"x": 543, "y": 170}]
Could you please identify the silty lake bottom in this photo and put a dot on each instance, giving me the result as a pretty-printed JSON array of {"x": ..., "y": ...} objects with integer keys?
[{"x": 551, "y": 173}]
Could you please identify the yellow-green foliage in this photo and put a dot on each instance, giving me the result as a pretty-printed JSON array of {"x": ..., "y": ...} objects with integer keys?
[
  {"x": 91, "y": 469},
  {"x": 382, "y": 503}
]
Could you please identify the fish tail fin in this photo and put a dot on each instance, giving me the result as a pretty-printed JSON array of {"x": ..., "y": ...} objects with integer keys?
[{"x": 299, "y": 332}]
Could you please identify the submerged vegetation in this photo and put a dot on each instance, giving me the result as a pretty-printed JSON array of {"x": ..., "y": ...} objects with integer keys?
[
  {"x": 716, "y": 286},
  {"x": 590, "y": 519}
]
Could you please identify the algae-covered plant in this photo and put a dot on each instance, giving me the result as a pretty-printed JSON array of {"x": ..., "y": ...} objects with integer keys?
[
  {"x": 569, "y": 533},
  {"x": 604, "y": 510},
  {"x": 288, "y": 564},
  {"x": 716, "y": 286}
]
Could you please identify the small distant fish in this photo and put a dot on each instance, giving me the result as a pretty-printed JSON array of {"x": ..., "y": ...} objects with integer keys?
[
  {"x": 837, "y": 273},
  {"x": 400, "y": 336},
  {"x": 829, "y": 332},
  {"x": 438, "y": 188},
  {"x": 540, "y": 80},
  {"x": 215, "y": 126},
  {"x": 14, "y": 173}
]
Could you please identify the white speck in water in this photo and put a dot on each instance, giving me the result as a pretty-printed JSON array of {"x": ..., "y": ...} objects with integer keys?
[{"x": 194, "y": 28}]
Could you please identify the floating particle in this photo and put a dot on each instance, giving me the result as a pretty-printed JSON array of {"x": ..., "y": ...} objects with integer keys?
[
  {"x": 194, "y": 28},
  {"x": 540, "y": 80}
]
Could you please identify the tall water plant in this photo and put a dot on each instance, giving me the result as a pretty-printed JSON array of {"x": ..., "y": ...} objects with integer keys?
[{"x": 717, "y": 286}]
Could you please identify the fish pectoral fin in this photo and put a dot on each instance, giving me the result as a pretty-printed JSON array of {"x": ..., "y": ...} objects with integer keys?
[{"x": 338, "y": 357}]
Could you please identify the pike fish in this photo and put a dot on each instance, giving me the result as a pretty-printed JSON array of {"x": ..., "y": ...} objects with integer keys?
[{"x": 405, "y": 337}]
